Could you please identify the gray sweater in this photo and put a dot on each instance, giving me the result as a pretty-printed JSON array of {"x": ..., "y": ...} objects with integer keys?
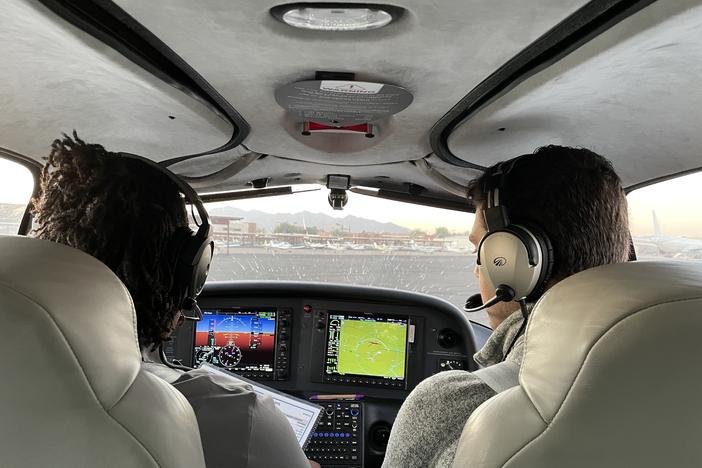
[{"x": 431, "y": 419}]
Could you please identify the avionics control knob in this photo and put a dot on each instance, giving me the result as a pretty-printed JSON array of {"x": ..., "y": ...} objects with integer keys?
[
  {"x": 283, "y": 347},
  {"x": 378, "y": 435},
  {"x": 283, "y": 322},
  {"x": 448, "y": 338},
  {"x": 354, "y": 411}
]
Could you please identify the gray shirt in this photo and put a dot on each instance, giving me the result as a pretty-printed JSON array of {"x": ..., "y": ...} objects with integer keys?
[
  {"x": 238, "y": 428},
  {"x": 431, "y": 419}
]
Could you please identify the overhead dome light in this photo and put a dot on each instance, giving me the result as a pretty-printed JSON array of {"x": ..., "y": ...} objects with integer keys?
[
  {"x": 337, "y": 19},
  {"x": 336, "y": 16}
]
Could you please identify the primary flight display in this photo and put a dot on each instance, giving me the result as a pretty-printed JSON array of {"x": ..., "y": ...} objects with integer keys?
[{"x": 240, "y": 340}]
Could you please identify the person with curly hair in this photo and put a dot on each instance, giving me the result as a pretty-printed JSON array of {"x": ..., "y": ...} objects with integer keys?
[{"x": 124, "y": 212}]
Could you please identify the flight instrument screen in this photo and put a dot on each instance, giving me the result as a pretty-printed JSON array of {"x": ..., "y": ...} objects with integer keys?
[
  {"x": 366, "y": 345},
  {"x": 238, "y": 340}
]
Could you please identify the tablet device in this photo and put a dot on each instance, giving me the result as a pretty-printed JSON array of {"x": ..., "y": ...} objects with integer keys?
[{"x": 302, "y": 415}]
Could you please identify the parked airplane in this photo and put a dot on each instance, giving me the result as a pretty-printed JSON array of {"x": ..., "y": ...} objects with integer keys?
[
  {"x": 669, "y": 246},
  {"x": 315, "y": 245},
  {"x": 284, "y": 246}
]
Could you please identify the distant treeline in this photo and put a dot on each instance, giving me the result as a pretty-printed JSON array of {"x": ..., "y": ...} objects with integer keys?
[{"x": 289, "y": 228}]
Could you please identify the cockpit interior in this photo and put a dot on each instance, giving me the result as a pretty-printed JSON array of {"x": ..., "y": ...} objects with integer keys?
[{"x": 332, "y": 145}]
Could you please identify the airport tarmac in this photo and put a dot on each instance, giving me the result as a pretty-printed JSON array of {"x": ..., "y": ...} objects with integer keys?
[{"x": 445, "y": 275}]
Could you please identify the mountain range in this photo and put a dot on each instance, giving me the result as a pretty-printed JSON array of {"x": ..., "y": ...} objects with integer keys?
[{"x": 269, "y": 221}]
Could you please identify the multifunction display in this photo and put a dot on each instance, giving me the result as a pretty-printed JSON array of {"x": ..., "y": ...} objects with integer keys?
[
  {"x": 237, "y": 339},
  {"x": 366, "y": 346}
]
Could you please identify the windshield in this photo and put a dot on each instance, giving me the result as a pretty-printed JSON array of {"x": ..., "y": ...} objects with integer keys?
[{"x": 372, "y": 242}]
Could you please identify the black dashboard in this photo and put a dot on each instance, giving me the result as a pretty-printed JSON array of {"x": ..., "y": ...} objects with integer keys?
[{"x": 358, "y": 351}]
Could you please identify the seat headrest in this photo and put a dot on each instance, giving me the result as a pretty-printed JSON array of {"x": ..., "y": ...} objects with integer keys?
[
  {"x": 571, "y": 318},
  {"x": 95, "y": 321}
]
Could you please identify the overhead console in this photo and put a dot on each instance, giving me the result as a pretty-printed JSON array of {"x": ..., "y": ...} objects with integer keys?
[{"x": 344, "y": 345}]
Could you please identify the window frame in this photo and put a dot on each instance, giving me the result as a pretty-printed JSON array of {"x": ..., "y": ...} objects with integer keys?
[{"x": 656, "y": 180}]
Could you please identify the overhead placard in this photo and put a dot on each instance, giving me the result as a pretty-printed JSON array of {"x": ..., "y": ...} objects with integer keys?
[{"x": 342, "y": 103}]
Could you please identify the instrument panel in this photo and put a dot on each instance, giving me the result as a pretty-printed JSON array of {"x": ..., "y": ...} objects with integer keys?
[{"x": 334, "y": 343}]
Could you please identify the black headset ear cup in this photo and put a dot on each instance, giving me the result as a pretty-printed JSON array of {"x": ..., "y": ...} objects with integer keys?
[
  {"x": 194, "y": 256},
  {"x": 546, "y": 260},
  {"x": 179, "y": 245},
  {"x": 202, "y": 268}
]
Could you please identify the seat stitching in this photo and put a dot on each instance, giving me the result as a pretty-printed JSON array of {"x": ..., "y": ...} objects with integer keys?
[
  {"x": 133, "y": 310},
  {"x": 136, "y": 338},
  {"x": 582, "y": 365},
  {"x": 526, "y": 336},
  {"x": 75, "y": 357}
]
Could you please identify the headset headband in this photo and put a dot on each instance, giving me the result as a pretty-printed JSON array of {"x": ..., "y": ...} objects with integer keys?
[
  {"x": 496, "y": 216},
  {"x": 497, "y": 180},
  {"x": 190, "y": 195}
]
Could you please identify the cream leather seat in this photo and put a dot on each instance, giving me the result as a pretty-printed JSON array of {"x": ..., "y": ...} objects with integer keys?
[
  {"x": 72, "y": 392},
  {"x": 611, "y": 377}
]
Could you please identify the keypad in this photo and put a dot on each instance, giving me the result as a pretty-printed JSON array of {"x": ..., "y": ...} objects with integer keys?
[{"x": 339, "y": 434}]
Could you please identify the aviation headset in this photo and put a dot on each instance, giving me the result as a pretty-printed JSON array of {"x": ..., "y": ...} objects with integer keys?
[
  {"x": 195, "y": 249},
  {"x": 515, "y": 259}
]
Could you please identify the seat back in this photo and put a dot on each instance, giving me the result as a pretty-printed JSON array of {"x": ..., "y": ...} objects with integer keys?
[
  {"x": 611, "y": 377},
  {"x": 73, "y": 392}
]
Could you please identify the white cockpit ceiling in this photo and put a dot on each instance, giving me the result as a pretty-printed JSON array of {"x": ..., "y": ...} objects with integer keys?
[
  {"x": 632, "y": 94},
  {"x": 57, "y": 78},
  {"x": 438, "y": 50}
]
